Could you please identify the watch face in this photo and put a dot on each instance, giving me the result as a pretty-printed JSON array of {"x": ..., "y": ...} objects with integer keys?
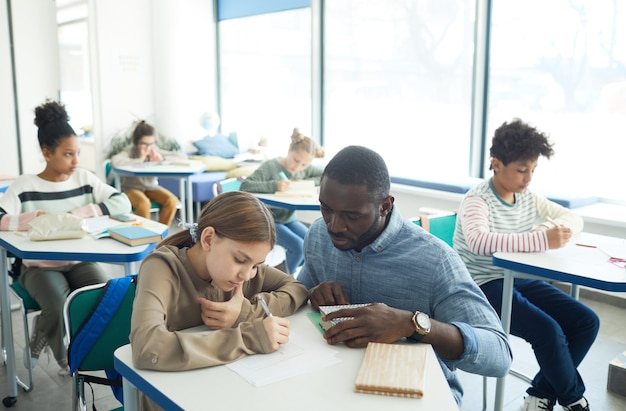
[{"x": 423, "y": 321}]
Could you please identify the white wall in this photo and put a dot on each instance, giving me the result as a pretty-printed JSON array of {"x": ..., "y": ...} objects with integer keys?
[
  {"x": 37, "y": 78},
  {"x": 151, "y": 60},
  {"x": 122, "y": 78},
  {"x": 184, "y": 66}
]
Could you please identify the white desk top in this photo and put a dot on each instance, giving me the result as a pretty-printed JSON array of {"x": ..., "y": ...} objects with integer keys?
[
  {"x": 329, "y": 388},
  {"x": 292, "y": 203},
  {"x": 163, "y": 169},
  {"x": 88, "y": 248},
  {"x": 573, "y": 264}
]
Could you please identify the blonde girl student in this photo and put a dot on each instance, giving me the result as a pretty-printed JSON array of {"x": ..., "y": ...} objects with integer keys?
[
  {"x": 142, "y": 191},
  {"x": 276, "y": 175},
  {"x": 62, "y": 187},
  {"x": 211, "y": 274}
]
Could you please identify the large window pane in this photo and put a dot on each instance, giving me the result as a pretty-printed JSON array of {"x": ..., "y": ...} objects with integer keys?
[
  {"x": 74, "y": 60},
  {"x": 563, "y": 69},
  {"x": 265, "y": 77},
  {"x": 398, "y": 79}
]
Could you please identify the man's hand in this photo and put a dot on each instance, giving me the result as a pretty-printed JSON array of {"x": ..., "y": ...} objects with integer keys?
[
  {"x": 328, "y": 293},
  {"x": 277, "y": 329},
  {"x": 220, "y": 315},
  {"x": 372, "y": 323}
]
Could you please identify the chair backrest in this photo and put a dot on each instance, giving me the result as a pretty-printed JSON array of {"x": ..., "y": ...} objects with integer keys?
[
  {"x": 441, "y": 226},
  {"x": 109, "y": 176},
  {"x": 80, "y": 305},
  {"x": 224, "y": 186}
]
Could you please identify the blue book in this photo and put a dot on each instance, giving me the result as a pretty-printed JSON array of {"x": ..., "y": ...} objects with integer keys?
[{"x": 134, "y": 235}]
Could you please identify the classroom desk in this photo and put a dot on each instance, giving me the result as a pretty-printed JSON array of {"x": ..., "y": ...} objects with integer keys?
[
  {"x": 325, "y": 389},
  {"x": 572, "y": 264},
  {"x": 104, "y": 250},
  {"x": 180, "y": 172},
  {"x": 291, "y": 203}
]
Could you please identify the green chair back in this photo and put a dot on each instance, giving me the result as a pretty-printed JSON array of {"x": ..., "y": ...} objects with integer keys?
[
  {"x": 441, "y": 227},
  {"x": 115, "y": 334},
  {"x": 224, "y": 186},
  {"x": 29, "y": 302}
]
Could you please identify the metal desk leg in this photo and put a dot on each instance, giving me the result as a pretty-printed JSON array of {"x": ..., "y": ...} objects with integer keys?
[
  {"x": 507, "y": 300},
  {"x": 574, "y": 291},
  {"x": 131, "y": 395},
  {"x": 182, "y": 195},
  {"x": 7, "y": 331},
  {"x": 189, "y": 201},
  {"x": 131, "y": 268}
]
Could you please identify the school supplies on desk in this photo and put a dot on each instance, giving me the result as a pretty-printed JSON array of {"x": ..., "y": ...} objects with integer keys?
[
  {"x": 301, "y": 188},
  {"x": 134, "y": 235},
  {"x": 327, "y": 309},
  {"x": 124, "y": 218},
  {"x": 393, "y": 369},
  {"x": 47, "y": 227}
]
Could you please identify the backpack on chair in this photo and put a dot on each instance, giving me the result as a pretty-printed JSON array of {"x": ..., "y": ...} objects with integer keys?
[{"x": 97, "y": 320}]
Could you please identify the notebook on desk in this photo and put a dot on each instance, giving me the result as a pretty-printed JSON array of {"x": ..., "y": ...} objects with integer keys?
[
  {"x": 393, "y": 369},
  {"x": 301, "y": 188}
]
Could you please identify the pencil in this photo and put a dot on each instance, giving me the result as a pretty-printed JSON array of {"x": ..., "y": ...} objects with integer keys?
[{"x": 552, "y": 221}]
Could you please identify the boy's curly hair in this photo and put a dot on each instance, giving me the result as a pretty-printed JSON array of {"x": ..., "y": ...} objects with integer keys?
[{"x": 519, "y": 141}]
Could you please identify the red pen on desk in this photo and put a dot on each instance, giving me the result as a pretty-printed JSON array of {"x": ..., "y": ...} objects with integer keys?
[{"x": 586, "y": 245}]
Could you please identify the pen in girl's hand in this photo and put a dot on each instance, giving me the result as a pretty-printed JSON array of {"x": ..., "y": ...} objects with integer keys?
[{"x": 264, "y": 305}]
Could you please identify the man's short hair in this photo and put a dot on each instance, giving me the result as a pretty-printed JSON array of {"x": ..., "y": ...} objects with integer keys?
[{"x": 357, "y": 165}]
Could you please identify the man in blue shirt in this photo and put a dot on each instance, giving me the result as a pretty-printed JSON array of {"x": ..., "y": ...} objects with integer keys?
[{"x": 363, "y": 251}]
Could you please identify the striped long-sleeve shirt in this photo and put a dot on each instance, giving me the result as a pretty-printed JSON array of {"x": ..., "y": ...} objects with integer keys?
[
  {"x": 82, "y": 194},
  {"x": 487, "y": 224}
]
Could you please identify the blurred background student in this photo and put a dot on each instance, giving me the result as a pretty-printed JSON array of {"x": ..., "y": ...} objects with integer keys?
[
  {"x": 142, "y": 191},
  {"x": 276, "y": 175},
  {"x": 61, "y": 187}
]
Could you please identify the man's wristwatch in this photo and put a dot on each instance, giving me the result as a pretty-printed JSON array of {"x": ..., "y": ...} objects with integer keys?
[{"x": 421, "y": 324}]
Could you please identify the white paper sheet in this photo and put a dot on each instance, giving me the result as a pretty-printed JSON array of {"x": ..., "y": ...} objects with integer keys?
[{"x": 298, "y": 356}]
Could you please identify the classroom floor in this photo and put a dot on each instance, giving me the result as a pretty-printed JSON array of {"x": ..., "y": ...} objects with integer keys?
[{"x": 52, "y": 391}]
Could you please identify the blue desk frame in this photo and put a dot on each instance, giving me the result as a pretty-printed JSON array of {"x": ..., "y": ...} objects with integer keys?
[
  {"x": 554, "y": 265},
  {"x": 290, "y": 203}
]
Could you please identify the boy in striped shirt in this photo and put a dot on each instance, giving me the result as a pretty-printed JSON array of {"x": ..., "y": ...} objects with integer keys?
[{"x": 501, "y": 214}]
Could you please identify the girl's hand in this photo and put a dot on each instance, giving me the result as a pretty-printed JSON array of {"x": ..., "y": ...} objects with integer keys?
[
  {"x": 220, "y": 315},
  {"x": 277, "y": 329},
  {"x": 155, "y": 155},
  {"x": 283, "y": 185},
  {"x": 558, "y": 236}
]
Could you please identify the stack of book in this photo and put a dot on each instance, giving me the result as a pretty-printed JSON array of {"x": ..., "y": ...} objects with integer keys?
[{"x": 134, "y": 235}]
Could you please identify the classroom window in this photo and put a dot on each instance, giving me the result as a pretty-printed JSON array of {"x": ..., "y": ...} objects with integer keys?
[
  {"x": 563, "y": 70},
  {"x": 75, "y": 90},
  {"x": 265, "y": 77},
  {"x": 398, "y": 79}
]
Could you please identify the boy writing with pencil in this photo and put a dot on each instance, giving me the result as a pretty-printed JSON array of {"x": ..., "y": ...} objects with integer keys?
[{"x": 501, "y": 214}]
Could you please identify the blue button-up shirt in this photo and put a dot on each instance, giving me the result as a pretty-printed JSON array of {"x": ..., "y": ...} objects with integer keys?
[{"x": 410, "y": 269}]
